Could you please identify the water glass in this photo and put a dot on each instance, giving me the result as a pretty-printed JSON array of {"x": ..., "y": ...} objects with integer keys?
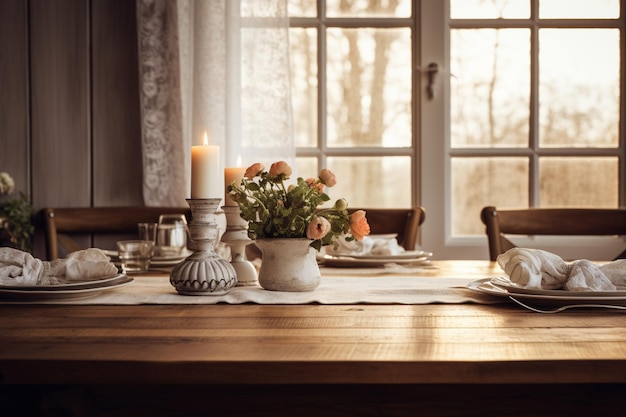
[
  {"x": 171, "y": 235},
  {"x": 135, "y": 255},
  {"x": 147, "y": 231}
]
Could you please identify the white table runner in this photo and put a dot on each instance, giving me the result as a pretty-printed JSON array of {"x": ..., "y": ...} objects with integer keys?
[{"x": 344, "y": 289}]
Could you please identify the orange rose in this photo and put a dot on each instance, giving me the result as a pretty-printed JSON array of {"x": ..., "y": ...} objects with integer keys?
[
  {"x": 312, "y": 182},
  {"x": 327, "y": 177},
  {"x": 254, "y": 170},
  {"x": 280, "y": 167},
  {"x": 359, "y": 227},
  {"x": 318, "y": 228}
]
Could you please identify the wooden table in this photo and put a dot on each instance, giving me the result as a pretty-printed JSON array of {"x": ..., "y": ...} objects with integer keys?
[{"x": 269, "y": 360}]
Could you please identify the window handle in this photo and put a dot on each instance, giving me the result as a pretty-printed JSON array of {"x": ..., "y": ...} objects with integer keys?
[{"x": 431, "y": 73}]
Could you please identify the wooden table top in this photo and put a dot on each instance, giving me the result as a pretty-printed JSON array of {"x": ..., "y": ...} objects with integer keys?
[{"x": 312, "y": 344}]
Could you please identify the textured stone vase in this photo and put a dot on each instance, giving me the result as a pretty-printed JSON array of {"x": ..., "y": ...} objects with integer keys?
[{"x": 288, "y": 265}]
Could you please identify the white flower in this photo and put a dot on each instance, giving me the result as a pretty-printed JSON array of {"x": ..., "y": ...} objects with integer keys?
[{"x": 7, "y": 185}]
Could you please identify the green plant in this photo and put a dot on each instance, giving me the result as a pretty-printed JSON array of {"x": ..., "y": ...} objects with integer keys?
[
  {"x": 16, "y": 216},
  {"x": 274, "y": 210}
]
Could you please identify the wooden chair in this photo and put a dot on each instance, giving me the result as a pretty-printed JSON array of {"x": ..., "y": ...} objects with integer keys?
[
  {"x": 61, "y": 224},
  {"x": 556, "y": 222},
  {"x": 404, "y": 222}
]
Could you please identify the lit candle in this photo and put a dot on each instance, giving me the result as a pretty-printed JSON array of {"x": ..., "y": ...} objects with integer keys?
[
  {"x": 205, "y": 170},
  {"x": 232, "y": 174}
]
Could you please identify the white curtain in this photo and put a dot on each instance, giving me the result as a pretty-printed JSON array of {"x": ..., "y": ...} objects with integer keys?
[{"x": 215, "y": 66}]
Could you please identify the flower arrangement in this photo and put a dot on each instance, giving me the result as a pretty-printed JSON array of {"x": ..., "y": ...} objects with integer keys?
[
  {"x": 15, "y": 216},
  {"x": 275, "y": 210}
]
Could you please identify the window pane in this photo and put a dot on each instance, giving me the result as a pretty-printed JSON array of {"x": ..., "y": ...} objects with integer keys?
[
  {"x": 480, "y": 182},
  {"x": 474, "y": 9},
  {"x": 303, "y": 57},
  {"x": 579, "y": 87},
  {"x": 301, "y": 8},
  {"x": 490, "y": 90},
  {"x": 582, "y": 9},
  {"x": 305, "y": 167},
  {"x": 369, "y": 87},
  {"x": 367, "y": 8},
  {"x": 578, "y": 182},
  {"x": 372, "y": 181}
]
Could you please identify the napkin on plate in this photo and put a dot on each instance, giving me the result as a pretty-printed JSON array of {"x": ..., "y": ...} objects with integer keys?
[
  {"x": 369, "y": 245},
  {"x": 21, "y": 268},
  {"x": 535, "y": 268}
]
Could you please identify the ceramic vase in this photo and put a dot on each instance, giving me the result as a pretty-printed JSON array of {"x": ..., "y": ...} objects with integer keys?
[{"x": 288, "y": 265}]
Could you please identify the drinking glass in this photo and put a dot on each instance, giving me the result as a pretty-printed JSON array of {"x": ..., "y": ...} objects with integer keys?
[
  {"x": 147, "y": 231},
  {"x": 171, "y": 235},
  {"x": 135, "y": 255}
]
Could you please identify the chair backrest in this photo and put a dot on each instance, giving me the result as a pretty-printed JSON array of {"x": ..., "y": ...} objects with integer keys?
[
  {"x": 404, "y": 222},
  {"x": 549, "y": 221},
  {"x": 60, "y": 223}
]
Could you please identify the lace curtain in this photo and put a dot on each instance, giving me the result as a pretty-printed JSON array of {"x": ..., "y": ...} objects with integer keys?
[{"x": 215, "y": 66}]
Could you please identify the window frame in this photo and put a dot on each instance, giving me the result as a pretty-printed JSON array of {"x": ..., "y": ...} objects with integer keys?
[
  {"x": 431, "y": 150},
  {"x": 323, "y": 151},
  {"x": 452, "y": 247}
]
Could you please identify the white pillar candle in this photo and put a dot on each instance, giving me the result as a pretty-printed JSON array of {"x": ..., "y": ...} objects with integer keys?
[
  {"x": 230, "y": 175},
  {"x": 205, "y": 171}
]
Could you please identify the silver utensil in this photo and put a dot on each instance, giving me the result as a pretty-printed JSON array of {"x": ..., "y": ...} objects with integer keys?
[{"x": 568, "y": 306}]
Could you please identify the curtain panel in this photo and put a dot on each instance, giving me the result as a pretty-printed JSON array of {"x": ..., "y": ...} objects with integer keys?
[{"x": 214, "y": 66}]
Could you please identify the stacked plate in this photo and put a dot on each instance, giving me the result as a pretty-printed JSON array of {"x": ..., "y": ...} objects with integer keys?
[
  {"x": 74, "y": 290},
  {"x": 157, "y": 261},
  {"x": 169, "y": 260},
  {"x": 504, "y": 287},
  {"x": 372, "y": 260}
]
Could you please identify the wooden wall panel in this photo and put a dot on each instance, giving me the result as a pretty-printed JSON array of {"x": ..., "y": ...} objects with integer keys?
[
  {"x": 60, "y": 118},
  {"x": 69, "y": 106},
  {"x": 14, "y": 149},
  {"x": 117, "y": 158}
]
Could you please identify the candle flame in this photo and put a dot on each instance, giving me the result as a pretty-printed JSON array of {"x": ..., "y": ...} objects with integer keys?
[
  {"x": 239, "y": 161},
  {"x": 206, "y": 139}
]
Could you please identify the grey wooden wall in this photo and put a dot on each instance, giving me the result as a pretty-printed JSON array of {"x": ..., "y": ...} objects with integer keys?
[{"x": 69, "y": 102}]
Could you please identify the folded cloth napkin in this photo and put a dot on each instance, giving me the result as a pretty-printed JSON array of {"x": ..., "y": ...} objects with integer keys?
[
  {"x": 21, "y": 268},
  {"x": 535, "y": 268},
  {"x": 366, "y": 246}
]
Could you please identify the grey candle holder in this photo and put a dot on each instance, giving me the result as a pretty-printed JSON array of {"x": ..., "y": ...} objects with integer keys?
[{"x": 204, "y": 272}]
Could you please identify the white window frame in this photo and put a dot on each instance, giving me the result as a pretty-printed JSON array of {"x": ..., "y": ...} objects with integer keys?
[
  {"x": 431, "y": 151},
  {"x": 436, "y": 155},
  {"x": 322, "y": 151}
]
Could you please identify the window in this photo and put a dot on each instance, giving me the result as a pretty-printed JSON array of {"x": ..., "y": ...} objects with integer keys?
[
  {"x": 352, "y": 68},
  {"x": 535, "y": 105},
  {"x": 526, "y": 110}
]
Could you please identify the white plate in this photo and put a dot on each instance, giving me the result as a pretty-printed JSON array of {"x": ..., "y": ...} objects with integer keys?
[
  {"x": 95, "y": 283},
  {"x": 514, "y": 288},
  {"x": 409, "y": 254},
  {"x": 166, "y": 262},
  {"x": 76, "y": 293},
  {"x": 352, "y": 262},
  {"x": 156, "y": 260},
  {"x": 183, "y": 255},
  {"x": 484, "y": 286},
  {"x": 384, "y": 236}
]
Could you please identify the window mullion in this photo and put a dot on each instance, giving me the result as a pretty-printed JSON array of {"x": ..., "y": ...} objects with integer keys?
[
  {"x": 533, "y": 139},
  {"x": 322, "y": 102}
]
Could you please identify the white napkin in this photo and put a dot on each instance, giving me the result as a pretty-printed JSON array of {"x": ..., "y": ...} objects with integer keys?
[
  {"x": 21, "y": 268},
  {"x": 366, "y": 246},
  {"x": 535, "y": 268}
]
